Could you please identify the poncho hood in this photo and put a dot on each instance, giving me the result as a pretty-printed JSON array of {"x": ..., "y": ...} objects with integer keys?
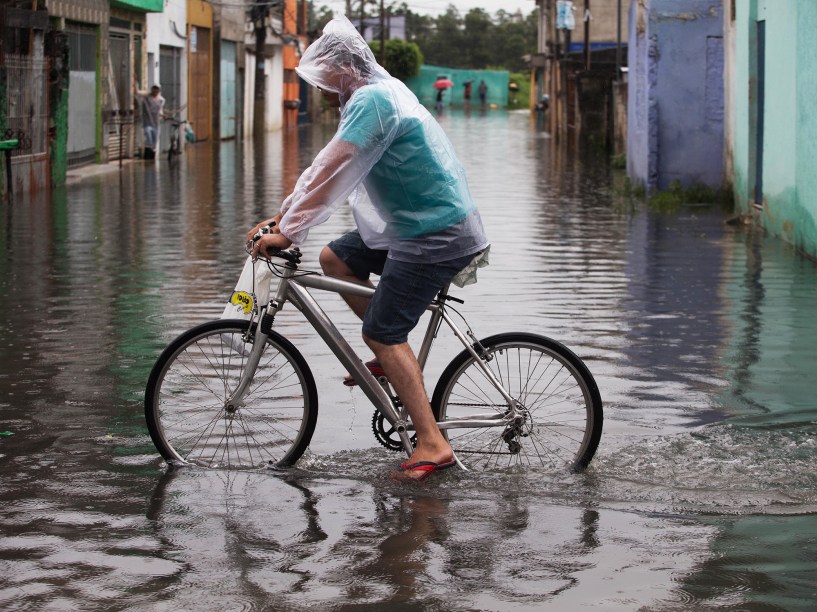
[{"x": 340, "y": 60}]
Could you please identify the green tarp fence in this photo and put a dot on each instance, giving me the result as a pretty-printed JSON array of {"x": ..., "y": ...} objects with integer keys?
[{"x": 423, "y": 85}]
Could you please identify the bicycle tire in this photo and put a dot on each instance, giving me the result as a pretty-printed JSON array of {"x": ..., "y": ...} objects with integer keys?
[
  {"x": 187, "y": 390},
  {"x": 561, "y": 404}
]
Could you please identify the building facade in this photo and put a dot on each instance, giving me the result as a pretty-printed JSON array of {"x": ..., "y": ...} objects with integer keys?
[
  {"x": 676, "y": 93},
  {"x": 70, "y": 69},
  {"x": 166, "y": 60},
  {"x": 577, "y": 71},
  {"x": 772, "y": 137}
]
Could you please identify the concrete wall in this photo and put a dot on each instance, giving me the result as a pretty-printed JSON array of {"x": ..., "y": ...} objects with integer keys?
[
  {"x": 676, "y": 92},
  {"x": 273, "y": 107},
  {"x": 642, "y": 124},
  {"x": 233, "y": 22},
  {"x": 787, "y": 206},
  {"x": 168, "y": 29},
  {"x": 603, "y": 21},
  {"x": 806, "y": 150},
  {"x": 729, "y": 64}
]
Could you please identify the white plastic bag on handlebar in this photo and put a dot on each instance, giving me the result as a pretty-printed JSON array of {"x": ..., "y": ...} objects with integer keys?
[{"x": 248, "y": 295}]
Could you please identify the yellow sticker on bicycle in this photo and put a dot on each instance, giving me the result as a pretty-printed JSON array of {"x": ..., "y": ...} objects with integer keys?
[{"x": 243, "y": 300}]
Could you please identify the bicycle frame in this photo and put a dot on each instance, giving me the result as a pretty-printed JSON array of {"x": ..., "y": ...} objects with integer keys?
[{"x": 293, "y": 288}]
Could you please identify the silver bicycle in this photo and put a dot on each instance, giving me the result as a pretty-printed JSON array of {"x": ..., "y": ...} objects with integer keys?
[{"x": 236, "y": 394}]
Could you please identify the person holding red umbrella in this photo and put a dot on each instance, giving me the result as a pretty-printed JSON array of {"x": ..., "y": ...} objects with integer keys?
[{"x": 441, "y": 84}]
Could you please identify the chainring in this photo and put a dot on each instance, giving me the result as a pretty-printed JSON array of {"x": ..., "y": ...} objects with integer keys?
[{"x": 386, "y": 433}]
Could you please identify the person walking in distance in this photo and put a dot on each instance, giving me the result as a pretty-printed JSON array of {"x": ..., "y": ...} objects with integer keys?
[{"x": 417, "y": 223}]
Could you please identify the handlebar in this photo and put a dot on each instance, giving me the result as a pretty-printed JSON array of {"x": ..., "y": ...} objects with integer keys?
[{"x": 291, "y": 255}]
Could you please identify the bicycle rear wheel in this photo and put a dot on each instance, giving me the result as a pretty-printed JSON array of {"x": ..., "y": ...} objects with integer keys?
[
  {"x": 558, "y": 399},
  {"x": 185, "y": 400},
  {"x": 174, "y": 145}
]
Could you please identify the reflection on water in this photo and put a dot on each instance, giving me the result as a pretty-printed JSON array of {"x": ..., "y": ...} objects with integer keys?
[
  {"x": 700, "y": 336},
  {"x": 300, "y": 539}
]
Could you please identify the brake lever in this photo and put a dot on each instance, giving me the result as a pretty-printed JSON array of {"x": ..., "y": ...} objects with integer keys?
[{"x": 267, "y": 229}]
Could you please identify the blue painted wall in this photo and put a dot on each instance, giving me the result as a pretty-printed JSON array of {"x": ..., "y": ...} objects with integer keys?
[{"x": 676, "y": 93}]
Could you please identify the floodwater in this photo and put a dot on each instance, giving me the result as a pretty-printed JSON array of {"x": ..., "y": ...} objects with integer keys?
[{"x": 701, "y": 336}]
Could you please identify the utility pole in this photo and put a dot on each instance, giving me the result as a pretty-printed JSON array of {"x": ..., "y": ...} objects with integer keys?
[
  {"x": 382, "y": 35},
  {"x": 349, "y": 9},
  {"x": 587, "y": 34},
  {"x": 362, "y": 17},
  {"x": 618, "y": 41},
  {"x": 259, "y": 14}
]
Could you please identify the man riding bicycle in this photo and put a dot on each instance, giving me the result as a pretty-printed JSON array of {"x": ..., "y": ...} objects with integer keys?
[{"x": 417, "y": 224}]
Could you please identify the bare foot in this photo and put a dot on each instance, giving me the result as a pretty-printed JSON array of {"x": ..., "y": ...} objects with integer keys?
[{"x": 420, "y": 470}]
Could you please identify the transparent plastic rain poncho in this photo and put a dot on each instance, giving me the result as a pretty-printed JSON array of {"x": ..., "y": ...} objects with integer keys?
[{"x": 389, "y": 157}]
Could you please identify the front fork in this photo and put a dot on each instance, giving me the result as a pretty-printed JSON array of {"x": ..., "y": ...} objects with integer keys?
[
  {"x": 259, "y": 339},
  {"x": 266, "y": 316}
]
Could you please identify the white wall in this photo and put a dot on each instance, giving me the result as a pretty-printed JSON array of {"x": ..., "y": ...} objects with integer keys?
[
  {"x": 275, "y": 91},
  {"x": 249, "y": 94},
  {"x": 274, "y": 71},
  {"x": 165, "y": 29}
]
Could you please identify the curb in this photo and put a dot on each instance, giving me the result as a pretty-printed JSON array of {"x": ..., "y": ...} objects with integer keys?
[{"x": 77, "y": 175}]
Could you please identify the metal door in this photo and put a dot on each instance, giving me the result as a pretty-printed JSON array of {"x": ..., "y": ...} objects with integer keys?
[
  {"x": 170, "y": 74},
  {"x": 118, "y": 120},
  {"x": 82, "y": 92},
  {"x": 228, "y": 89}
]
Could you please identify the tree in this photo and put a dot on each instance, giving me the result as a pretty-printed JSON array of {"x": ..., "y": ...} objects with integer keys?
[
  {"x": 444, "y": 46},
  {"x": 418, "y": 27},
  {"x": 477, "y": 51},
  {"x": 403, "y": 59},
  {"x": 316, "y": 20},
  {"x": 475, "y": 41}
]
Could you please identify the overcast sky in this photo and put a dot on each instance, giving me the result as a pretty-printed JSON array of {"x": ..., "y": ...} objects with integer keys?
[{"x": 435, "y": 7}]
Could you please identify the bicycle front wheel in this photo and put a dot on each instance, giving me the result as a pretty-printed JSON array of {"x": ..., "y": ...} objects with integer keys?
[
  {"x": 187, "y": 391},
  {"x": 559, "y": 410}
]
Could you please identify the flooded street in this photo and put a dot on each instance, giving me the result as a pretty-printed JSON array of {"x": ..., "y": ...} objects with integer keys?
[{"x": 701, "y": 336}]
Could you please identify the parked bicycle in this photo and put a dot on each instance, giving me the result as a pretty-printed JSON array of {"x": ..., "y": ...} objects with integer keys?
[
  {"x": 178, "y": 127},
  {"x": 237, "y": 394}
]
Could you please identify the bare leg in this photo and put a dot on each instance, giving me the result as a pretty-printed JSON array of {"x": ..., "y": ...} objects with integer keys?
[
  {"x": 405, "y": 376},
  {"x": 402, "y": 370},
  {"x": 333, "y": 265}
]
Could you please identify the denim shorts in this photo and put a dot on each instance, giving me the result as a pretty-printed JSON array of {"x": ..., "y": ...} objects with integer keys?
[{"x": 405, "y": 289}]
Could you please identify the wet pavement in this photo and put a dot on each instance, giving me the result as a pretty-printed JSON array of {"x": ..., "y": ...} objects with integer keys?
[{"x": 701, "y": 336}]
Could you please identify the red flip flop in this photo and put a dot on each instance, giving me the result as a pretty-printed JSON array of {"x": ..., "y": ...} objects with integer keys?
[
  {"x": 426, "y": 467},
  {"x": 374, "y": 367}
]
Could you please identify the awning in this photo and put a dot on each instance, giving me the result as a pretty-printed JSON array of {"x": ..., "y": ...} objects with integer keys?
[{"x": 145, "y": 6}]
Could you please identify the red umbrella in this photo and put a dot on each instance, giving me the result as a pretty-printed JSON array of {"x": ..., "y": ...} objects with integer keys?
[{"x": 443, "y": 84}]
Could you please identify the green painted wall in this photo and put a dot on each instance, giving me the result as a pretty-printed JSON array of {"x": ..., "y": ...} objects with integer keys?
[
  {"x": 3, "y": 115},
  {"x": 806, "y": 160},
  {"x": 744, "y": 103},
  {"x": 58, "y": 100},
  {"x": 790, "y": 128},
  {"x": 423, "y": 85}
]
